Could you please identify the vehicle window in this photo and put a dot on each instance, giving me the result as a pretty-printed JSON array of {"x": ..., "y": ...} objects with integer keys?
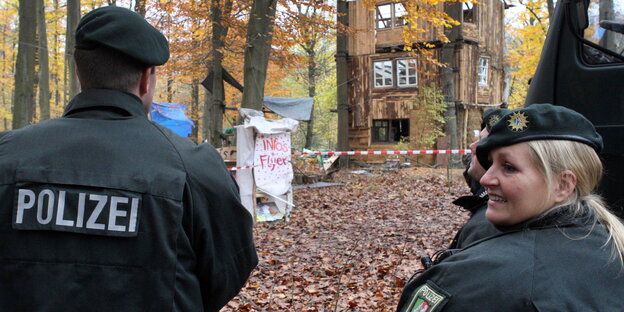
[{"x": 606, "y": 30}]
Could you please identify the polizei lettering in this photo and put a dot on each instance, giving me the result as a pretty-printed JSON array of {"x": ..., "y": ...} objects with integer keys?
[{"x": 48, "y": 207}]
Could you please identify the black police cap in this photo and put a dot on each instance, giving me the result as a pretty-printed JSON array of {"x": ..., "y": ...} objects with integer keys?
[
  {"x": 124, "y": 31},
  {"x": 491, "y": 116},
  {"x": 538, "y": 122}
]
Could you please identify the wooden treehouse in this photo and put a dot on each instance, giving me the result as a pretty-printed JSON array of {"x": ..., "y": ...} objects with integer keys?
[{"x": 384, "y": 81}]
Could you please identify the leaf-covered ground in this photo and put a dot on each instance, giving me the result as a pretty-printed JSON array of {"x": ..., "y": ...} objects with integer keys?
[{"x": 352, "y": 247}]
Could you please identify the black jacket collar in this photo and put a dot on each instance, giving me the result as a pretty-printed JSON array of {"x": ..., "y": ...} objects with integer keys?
[
  {"x": 116, "y": 104},
  {"x": 558, "y": 217}
]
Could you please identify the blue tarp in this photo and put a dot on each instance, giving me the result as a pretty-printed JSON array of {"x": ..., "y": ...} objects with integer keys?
[{"x": 172, "y": 116}]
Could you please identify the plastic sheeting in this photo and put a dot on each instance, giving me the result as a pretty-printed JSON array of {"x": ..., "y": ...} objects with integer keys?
[
  {"x": 172, "y": 116},
  {"x": 254, "y": 125},
  {"x": 295, "y": 108}
]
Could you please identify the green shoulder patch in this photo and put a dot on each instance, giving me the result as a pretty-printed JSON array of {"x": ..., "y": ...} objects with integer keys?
[{"x": 427, "y": 298}]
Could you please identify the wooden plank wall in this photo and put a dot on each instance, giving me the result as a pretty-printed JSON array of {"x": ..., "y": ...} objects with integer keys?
[
  {"x": 367, "y": 103},
  {"x": 362, "y": 24},
  {"x": 486, "y": 38},
  {"x": 366, "y": 37},
  {"x": 491, "y": 43},
  {"x": 466, "y": 82},
  {"x": 360, "y": 71}
]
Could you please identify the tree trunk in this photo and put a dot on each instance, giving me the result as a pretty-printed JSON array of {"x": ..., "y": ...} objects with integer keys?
[
  {"x": 215, "y": 104},
  {"x": 7, "y": 67},
  {"x": 194, "y": 110},
  {"x": 551, "y": 9},
  {"x": 169, "y": 90},
  {"x": 73, "y": 15},
  {"x": 454, "y": 10},
  {"x": 44, "y": 67},
  {"x": 311, "y": 91},
  {"x": 24, "y": 97},
  {"x": 139, "y": 7},
  {"x": 55, "y": 75},
  {"x": 207, "y": 104},
  {"x": 259, "y": 36},
  {"x": 342, "y": 99}
]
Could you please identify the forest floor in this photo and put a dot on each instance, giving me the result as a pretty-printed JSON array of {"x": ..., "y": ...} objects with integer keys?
[{"x": 353, "y": 247}]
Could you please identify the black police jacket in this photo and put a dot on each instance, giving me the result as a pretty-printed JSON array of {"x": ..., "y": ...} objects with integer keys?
[
  {"x": 103, "y": 210},
  {"x": 477, "y": 227},
  {"x": 550, "y": 264}
]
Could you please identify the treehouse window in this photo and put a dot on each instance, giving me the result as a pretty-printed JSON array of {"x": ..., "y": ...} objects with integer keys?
[
  {"x": 384, "y": 16},
  {"x": 383, "y": 74},
  {"x": 390, "y": 15},
  {"x": 390, "y": 130},
  {"x": 399, "y": 12},
  {"x": 406, "y": 73},
  {"x": 483, "y": 71},
  {"x": 468, "y": 12}
]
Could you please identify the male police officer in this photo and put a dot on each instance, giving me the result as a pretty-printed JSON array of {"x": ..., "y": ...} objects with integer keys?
[
  {"x": 478, "y": 226},
  {"x": 102, "y": 210}
]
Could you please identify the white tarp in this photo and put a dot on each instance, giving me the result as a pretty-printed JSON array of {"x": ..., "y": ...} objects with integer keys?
[
  {"x": 245, "y": 157},
  {"x": 270, "y": 159},
  {"x": 273, "y": 171}
]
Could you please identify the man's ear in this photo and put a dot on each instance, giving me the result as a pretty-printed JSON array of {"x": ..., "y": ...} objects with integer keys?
[
  {"x": 145, "y": 81},
  {"x": 564, "y": 186}
]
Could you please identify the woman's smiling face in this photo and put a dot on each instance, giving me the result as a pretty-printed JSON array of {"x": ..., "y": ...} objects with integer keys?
[{"x": 517, "y": 188}]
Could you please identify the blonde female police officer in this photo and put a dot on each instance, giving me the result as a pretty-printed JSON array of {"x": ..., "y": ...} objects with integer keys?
[
  {"x": 560, "y": 248},
  {"x": 103, "y": 210}
]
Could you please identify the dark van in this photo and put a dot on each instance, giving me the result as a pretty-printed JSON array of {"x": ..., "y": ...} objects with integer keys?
[{"x": 582, "y": 67}]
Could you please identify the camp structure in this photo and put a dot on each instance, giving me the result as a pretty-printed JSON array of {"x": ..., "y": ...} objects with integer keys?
[
  {"x": 172, "y": 116},
  {"x": 384, "y": 80}
]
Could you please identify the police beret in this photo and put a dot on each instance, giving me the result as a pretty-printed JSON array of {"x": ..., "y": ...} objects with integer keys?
[
  {"x": 491, "y": 116},
  {"x": 123, "y": 31},
  {"x": 538, "y": 122}
]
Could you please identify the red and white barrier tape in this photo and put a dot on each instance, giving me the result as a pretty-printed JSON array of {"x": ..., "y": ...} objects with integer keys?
[
  {"x": 412, "y": 152},
  {"x": 239, "y": 168}
]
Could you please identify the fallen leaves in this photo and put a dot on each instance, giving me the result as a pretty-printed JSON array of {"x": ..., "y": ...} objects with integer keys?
[{"x": 351, "y": 248}]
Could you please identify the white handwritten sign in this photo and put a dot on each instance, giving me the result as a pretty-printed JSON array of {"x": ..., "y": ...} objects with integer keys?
[{"x": 272, "y": 168}]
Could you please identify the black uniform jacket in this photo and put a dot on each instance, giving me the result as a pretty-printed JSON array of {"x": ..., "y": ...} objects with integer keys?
[
  {"x": 541, "y": 265},
  {"x": 103, "y": 210},
  {"x": 477, "y": 227}
]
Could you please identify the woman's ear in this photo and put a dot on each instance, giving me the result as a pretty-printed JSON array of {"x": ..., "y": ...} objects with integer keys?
[{"x": 564, "y": 186}]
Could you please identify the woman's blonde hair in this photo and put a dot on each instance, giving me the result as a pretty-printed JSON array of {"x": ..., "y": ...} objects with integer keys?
[{"x": 553, "y": 157}]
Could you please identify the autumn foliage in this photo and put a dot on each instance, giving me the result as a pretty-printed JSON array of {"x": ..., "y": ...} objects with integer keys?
[
  {"x": 352, "y": 247},
  {"x": 188, "y": 26},
  {"x": 527, "y": 32}
]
